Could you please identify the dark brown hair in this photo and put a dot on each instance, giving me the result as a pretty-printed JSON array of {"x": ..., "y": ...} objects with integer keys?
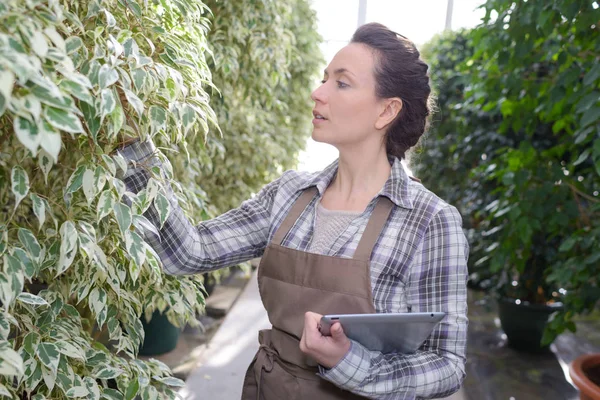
[{"x": 399, "y": 72}]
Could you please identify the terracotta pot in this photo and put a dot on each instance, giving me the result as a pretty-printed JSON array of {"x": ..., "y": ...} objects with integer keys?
[{"x": 588, "y": 390}]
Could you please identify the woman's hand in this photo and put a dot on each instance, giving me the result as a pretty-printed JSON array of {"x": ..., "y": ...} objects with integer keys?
[{"x": 326, "y": 350}]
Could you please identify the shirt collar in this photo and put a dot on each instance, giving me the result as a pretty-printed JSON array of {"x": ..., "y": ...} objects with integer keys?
[{"x": 395, "y": 188}]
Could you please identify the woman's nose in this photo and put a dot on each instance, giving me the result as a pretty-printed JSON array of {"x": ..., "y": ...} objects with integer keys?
[{"x": 318, "y": 95}]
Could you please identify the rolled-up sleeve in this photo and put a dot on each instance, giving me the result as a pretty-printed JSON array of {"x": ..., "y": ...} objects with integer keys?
[{"x": 438, "y": 282}]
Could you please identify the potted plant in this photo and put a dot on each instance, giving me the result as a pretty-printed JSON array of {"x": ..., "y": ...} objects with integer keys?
[{"x": 585, "y": 372}]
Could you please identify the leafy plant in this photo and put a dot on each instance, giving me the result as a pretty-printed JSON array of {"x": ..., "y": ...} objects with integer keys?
[
  {"x": 535, "y": 64},
  {"x": 74, "y": 77},
  {"x": 265, "y": 65}
]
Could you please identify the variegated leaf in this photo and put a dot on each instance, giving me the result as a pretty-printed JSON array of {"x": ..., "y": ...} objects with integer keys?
[
  {"x": 162, "y": 207},
  {"x": 68, "y": 246},
  {"x": 45, "y": 163},
  {"x": 30, "y": 243},
  {"x": 49, "y": 355},
  {"x": 77, "y": 391},
  {"x": 63, "y": 120},
  {"x": 20, "y": 184},
  {"x": 70, "y": 350},
  {"x": 38, "y": 209},
  {"x": 32, "y": 299},
  {"x": 97, "y": 302},
  {"x": 28, "y": 133},
  {"x": 88, "y": 186},
  {"x": 11, "y": 363},
  {"x": 106, "y": 202},
  {"x": 123, "y": 216},
  {"x": 110, "y": 164},
  {"x": 120, "y": 162}
]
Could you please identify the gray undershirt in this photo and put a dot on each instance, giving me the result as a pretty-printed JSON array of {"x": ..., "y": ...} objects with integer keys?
[{"x": 329, "y": 225}]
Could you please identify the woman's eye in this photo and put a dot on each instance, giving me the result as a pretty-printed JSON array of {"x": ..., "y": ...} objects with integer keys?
[
  {"x": 342, "y": 85},
  {"x": 323, "y": 81}
]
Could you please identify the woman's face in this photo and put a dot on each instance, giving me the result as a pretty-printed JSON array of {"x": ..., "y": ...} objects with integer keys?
[{"x": 346, "y": 109}]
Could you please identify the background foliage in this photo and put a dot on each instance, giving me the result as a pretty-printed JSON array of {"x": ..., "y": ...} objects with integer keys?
[
  {"x": 74, "y": 78},
  {"x": 524, "y": 112},
  {"x": 265, "y": 64}
]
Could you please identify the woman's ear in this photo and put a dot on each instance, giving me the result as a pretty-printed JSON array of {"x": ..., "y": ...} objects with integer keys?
[{"x": 391, "y": 109}]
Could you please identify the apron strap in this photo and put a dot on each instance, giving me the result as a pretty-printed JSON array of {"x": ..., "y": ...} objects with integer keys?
[
  {"x": 373, "y": 230},
  {"x": 291, "y": 218}
]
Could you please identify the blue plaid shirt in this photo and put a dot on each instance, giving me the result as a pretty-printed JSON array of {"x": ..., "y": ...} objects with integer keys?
[{"x": 419, "y": 264}]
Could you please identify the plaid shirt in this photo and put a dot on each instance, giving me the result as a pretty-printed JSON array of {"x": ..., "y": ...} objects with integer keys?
[{"x": 419, "y": 264}]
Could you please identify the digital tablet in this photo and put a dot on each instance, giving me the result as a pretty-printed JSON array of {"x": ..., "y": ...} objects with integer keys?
[{"x": 385, "y": 332}]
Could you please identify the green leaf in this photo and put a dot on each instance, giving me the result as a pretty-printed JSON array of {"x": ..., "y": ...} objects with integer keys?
[
  {"x": 132, "y": 389},
  {"x": 63, "y": 120},
  {"x": 123, "y": 216},
  {"x": 107, "y": 104},
  {"x": 596, "y": 155},
  {"x": 20, "y": 184},
  {"x": 28, "y": 134},
  {"x": 38, "y": 209},
  {"x": 32, "y": 299},
  {"x": 162, "y": 207},
  {"x": 45, "y": 163},
  {"x": 591, "y": 116},
  {"x": 68, "y": 246},
  {"x": 592, "y": 77},
  {"x": 77, "y": 391},
  {"x": 30, "y": 243},
  {"x": 49, "y": 355},
  {"x": 91, "y": 119},
  {"x": 588, "y": 101}
]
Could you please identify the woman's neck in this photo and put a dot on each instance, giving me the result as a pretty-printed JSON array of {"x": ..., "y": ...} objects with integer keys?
[{"x": 360, "y": 176}]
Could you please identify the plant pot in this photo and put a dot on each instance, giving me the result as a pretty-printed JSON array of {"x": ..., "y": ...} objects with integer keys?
[
  {"x": 585, "y": 372},
  {"x": 160, "y": 335},
  {"x": 524, "y": 323}
]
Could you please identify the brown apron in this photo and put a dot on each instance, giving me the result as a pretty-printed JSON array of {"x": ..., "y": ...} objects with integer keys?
[{"x": 292, "y": 282}]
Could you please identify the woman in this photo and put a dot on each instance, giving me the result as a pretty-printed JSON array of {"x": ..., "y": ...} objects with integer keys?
[{"x": 358, "y": 237}]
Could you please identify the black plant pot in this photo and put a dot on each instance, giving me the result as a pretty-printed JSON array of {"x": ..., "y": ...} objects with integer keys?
[
  {"x": 161, "y": 336},
  {"x": 524, "y": 323}
]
